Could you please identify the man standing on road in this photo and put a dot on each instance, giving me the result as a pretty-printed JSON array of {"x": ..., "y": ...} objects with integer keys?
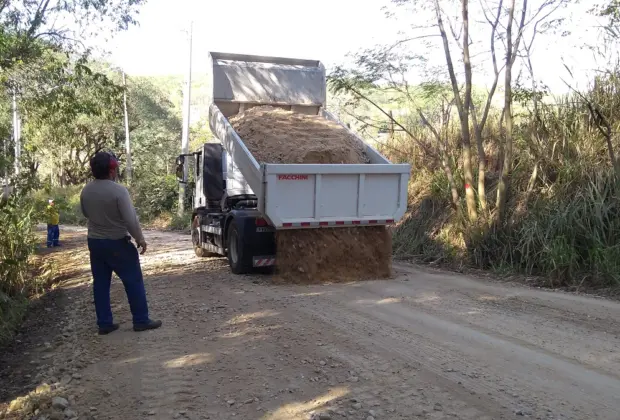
[{"x": 111, "y": 219}]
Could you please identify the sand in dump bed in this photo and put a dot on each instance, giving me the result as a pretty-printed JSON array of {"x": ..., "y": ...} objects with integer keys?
[{"x": 274, "y": 135}]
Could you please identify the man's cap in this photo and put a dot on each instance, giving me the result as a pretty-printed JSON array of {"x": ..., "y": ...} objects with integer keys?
[{"x": 106, "y": 158}]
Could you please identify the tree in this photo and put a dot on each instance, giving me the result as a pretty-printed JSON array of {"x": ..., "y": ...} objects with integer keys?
[
  {"x": 29, "y": 27},
  {"x": 62, "y": 102},
  {"x": 71, "y": 118},
  {"x": 85, "y": 115},
  {"x": 40, "y": 54},
  {"x": 439, "y": 25},
  {"x": 155, "y": 128}
]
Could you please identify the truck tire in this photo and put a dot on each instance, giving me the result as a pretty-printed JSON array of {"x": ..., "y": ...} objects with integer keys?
[
  {"x": 238, "y": 259},
  {"x": 198, "y": 249}
]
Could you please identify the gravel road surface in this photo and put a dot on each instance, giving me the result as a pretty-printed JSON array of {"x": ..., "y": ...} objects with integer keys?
[{"x": 426, "y": 344}]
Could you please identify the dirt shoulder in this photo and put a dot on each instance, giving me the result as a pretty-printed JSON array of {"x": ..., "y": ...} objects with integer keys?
[{"x": 424, "y": 345}]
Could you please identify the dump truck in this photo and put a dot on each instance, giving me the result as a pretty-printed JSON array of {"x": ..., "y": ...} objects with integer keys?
[{"x": 239, "y": 203}]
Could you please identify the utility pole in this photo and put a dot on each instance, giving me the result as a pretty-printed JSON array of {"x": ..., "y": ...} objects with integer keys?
[
  {"x": 129, "y": 164},
  {"x": 5, "y": 179},
  {"x": 16, "y": 134},
  {"x": 186, "y": 108}
]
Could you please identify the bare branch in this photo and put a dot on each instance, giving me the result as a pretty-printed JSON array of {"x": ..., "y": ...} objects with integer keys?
[
  {"x": 455, "y": 34},
  {"x": 380, "y": 109},
  {"x": 512, "y": 52},
  {"x": 496, "y": 70},
  {"x": 446, "y": 45},
  {"x": 39, "y": 17}
]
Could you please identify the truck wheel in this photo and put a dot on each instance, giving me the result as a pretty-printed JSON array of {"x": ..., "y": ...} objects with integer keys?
[
  {"x": 237, "y": 258},
  {"x": 198, "y": 249}
]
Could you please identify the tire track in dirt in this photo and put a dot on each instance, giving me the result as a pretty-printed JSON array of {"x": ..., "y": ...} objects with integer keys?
[
  {"x": 430, "y": 359},
  {"x": 400, "y": 379},
  {"x": 522, "y": 323},
  {"x": 386, "y": 379},
  {"x": 164, "y": 381},
  {"x": 459, "y": 347},
  {"x": 581, "y": 306}
]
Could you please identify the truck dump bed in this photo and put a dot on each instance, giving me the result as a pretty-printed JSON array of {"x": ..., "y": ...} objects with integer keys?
[{"x": 293, "y": 196}]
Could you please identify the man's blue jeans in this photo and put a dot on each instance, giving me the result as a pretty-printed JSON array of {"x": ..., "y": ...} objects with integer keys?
[
  {"x": 119, "y": 256},
  {"x": 53, "y": 235}
]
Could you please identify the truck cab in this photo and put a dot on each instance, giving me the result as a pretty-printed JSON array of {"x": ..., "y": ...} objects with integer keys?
[{"x": 225, "y": 219}]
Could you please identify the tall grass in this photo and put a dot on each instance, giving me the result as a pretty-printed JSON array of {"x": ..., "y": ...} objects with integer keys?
[
  {"x": 563, "y": 218},
  {"x": 17, "y": 244},
  {"x": 572, "y": 237}
]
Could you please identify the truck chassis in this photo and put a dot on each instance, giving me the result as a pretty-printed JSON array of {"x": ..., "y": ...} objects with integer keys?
[{"x": 241, "y": 234}]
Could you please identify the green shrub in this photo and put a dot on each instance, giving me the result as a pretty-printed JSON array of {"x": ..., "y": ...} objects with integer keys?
[
  {"x": 17, "y": 243},
  {"x": 181, "y": 223},
  {"x": 67, "y": 200},
  {"x": 155, "y": 195}
]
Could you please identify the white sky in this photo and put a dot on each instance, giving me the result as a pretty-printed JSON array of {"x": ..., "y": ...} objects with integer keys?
[{"x": 320, "y": 29}]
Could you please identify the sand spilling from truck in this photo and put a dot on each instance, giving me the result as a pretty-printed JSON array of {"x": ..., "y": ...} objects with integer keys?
[
  {"x": 334, "y": 254},
  {"x": 275, "y": 135}
]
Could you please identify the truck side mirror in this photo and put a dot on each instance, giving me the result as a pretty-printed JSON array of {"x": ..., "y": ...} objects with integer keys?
[{"x": 180, "y": 168}]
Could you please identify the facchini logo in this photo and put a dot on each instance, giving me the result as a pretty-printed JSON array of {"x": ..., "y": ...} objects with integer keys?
[{"x": 293, "y": 177}]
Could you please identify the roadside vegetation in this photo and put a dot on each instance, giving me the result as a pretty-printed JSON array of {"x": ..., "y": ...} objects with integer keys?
[{"x": 509, "y": 177}]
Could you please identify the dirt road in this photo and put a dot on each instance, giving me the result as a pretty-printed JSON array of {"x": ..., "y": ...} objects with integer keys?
[{"x": 426, "y": 345}]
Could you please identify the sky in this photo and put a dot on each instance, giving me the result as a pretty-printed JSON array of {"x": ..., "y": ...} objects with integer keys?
[{"x": 320, "y": 29}]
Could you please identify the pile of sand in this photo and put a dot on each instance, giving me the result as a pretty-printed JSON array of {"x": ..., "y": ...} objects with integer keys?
[
  {"x": 334, "y": 255},
  {"x": 274, "y": 135}
]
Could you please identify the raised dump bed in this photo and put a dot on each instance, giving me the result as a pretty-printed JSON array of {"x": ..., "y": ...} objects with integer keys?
[{"x": 294, "y": 196}]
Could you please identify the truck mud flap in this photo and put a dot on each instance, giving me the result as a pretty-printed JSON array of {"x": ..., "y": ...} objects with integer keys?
[{"x": 264, "y": 261}]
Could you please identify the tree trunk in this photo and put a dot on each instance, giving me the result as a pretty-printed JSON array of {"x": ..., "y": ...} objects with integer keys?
[
  {"x": 480, "y": 124},
  {"x": 511, "y": 53},
  {"x": 463, "y": 106},
  {"x": 482, "y": 164},
  {"x": 444, "y": 157},
  {"x": 467, "y": 166}
]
